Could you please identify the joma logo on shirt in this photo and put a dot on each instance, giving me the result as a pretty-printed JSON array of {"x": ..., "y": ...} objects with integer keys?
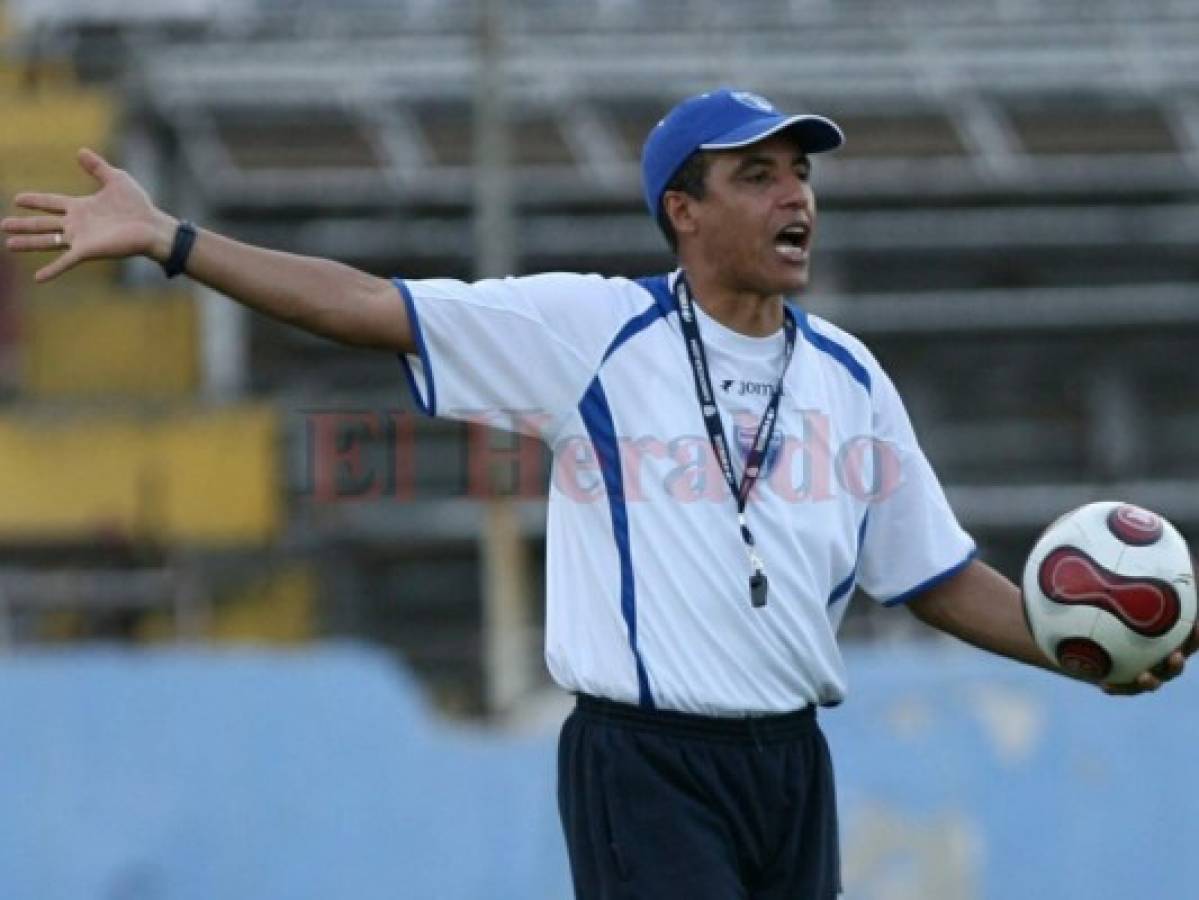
[{"x": 737, "y": 388}]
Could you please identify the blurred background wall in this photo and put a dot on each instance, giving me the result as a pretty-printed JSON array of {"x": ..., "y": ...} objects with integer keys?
[
  {"x": 192, "y": 774},
  {"x": 1012, "y": 227}
]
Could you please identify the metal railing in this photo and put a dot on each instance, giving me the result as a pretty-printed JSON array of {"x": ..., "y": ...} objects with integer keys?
[{"x": 26, "y": 593}]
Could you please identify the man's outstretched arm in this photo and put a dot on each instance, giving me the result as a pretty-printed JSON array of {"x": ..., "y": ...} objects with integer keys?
[
  {"x": 119, "y": 220},
  {"x": 983, "y": 608}
]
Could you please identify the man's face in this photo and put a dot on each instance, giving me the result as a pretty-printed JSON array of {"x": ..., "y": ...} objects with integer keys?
[{"x": 756, "y": 220}]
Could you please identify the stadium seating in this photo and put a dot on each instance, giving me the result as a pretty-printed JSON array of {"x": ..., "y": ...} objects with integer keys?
[
  {"x": 109, "y": 345},
  {"x": 106, "y": 446},
  {"x": 203, "y": 478},
  {"x": 43, "y": 126}
]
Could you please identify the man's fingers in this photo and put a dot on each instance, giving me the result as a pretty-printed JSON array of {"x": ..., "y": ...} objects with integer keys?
[
  {"x": 31, "y": 224},
  {"x": 1146, "y": 681},
  {"x": 1170, "y": 667},
  {"x": 1166, "y": 670},
  {"x": 54, "y": 203},
  {"x": 56, "y": 268},
  {"x": 26, "y": 242},
  {"x": 94, "y": 164},
  {"x": 1192, "y": 643},
  {"x": 1121, "y": 690}
]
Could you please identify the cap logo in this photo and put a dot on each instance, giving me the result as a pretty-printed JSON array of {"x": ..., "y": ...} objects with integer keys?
[{"x": 755, "y": 101}]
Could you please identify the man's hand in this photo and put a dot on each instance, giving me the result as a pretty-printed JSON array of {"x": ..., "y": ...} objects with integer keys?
[
  {"x": 117, "y": 221},
  {"x": 1169, "y": 668}
]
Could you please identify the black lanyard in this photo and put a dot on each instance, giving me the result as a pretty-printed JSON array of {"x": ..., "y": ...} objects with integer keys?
[{"x": 707, "y": 401}]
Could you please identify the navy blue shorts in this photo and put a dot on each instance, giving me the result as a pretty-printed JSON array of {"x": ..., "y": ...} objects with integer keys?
[{"x": 662, "y": 805}]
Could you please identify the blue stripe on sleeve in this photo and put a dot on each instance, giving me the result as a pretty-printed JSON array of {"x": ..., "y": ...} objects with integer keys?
[
  {"x": 932, "y": 582},
  {"x": 658, "y": 287},
  {"x": 826, "y": 344},
  {"x": 429, "y": 408},
  {"x": 636, "y": 324}
]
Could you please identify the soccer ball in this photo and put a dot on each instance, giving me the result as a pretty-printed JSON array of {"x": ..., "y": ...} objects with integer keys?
[{"x": 1109, "y": 591}]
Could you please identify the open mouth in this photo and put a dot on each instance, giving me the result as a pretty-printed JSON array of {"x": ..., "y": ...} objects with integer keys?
[{"x": 792, "y": 242}]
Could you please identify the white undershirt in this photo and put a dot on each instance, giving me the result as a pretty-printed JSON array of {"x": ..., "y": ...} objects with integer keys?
[{"x": 745, "y": 371}]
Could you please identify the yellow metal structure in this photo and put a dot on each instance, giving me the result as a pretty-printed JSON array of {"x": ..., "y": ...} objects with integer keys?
[
  {"x": 107, "y": 443},
  {"x": 42, "y": 131},
  {"x": 111, "y": 345},
  {"x": 207, "y": 478},
  {"x": 277, "y": 607}
]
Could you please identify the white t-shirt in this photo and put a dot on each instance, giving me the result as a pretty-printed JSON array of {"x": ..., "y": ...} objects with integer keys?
[{"x": 647, "y": 575}]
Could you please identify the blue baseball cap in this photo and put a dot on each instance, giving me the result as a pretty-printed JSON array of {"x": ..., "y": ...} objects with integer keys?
[{"x": 722, "y": 120}]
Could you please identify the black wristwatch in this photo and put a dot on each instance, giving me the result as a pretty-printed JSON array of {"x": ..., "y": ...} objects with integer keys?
[{"x": 181, "y": 248}]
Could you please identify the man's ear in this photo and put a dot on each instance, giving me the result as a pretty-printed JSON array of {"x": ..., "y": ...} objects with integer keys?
[{"x": 680, "y": 210}]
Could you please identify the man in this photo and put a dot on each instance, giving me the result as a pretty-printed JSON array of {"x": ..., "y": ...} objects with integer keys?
[{"x": 694, "y": 590}]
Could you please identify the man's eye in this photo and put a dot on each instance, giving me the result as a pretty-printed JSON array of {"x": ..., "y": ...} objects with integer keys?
[{"x": 761, "y": 176}]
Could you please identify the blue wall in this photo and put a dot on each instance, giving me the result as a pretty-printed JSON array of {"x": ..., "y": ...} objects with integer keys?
[
  {"x": 201, "y": 774},
  {"x": 964, "y": 775},
  {"x": 195, "y": 776}
]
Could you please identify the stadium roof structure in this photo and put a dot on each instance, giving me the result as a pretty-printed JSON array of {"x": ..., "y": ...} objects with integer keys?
[
  {"x": 1032, "y": 103},
  {"x": 287, "y": 102}
]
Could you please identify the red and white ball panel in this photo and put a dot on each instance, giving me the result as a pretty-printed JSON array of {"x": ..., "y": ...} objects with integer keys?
[
  {"x": 1135, "y": 526},
  {"x": 1109, "y": 591},
  {"x": 1085, "y": 658}
]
